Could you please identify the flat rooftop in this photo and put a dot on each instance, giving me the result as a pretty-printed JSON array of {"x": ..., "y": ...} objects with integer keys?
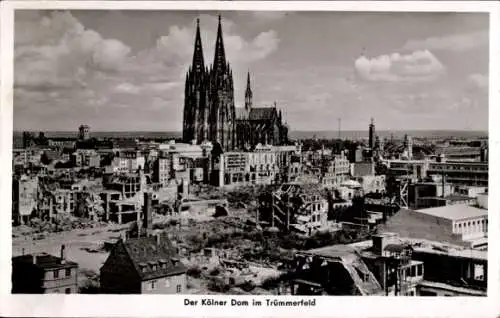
[
  {"x": 462, "y": 290},
  {"x": 431, "y": 247},
  {"x": 332, "y": 251},
  {"x": 455, "y": 212},
  {"x": 43, "y": 260}
]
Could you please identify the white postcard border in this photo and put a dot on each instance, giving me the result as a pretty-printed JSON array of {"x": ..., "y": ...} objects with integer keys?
[{"x": 155, "y": 306}]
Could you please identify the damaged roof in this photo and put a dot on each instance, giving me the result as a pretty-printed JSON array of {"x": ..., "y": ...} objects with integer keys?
[{"x": 147, "y": 251}]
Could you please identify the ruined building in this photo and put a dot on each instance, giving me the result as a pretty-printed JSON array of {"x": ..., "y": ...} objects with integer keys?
[
  {"x": 143, "y": 262},
  {"x": 302, "y": 208}
]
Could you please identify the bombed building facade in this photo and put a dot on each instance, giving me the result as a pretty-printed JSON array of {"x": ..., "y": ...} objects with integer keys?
[{"x": 209, "y": 106}]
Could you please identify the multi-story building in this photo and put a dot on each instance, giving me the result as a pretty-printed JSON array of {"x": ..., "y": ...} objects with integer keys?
[
  {"x": 296, "y": 207},
  {"x": 24, "y": 198},
  {"x": 336, "y": 170},
  {"x": 188, "y": 160},
  {"x": 235, "y": 169},
  {"x": 128, "y": 161},
  {"x": 162, "y": 170},
  {"x": 265, "y": 165},
  {"x": 25, "y": 157},
  {"x": 64, "y": 201},
  {"x": 459, "y": 152},
  {"x": 126, "y": 184},
  {"x": 421, "y": 192},
  {"x": 460, "y": 172},
  {"x": 372, "y": 184},
  {"x": 414, "y": 169},
  {"x": 44, "y": 274},
  {"x": 20, "y": 157},
  {"x": 86, "y": 158}
]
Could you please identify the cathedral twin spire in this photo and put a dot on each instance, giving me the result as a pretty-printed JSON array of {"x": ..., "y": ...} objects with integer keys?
[
  {"x": 219, "y": 65},
  {"x": 198, "y": 60},
  {"x": 220, "y": 54}
]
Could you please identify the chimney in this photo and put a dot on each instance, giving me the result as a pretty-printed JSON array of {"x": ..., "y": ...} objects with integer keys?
[
  {"x": 380, "y": 241},
  {"x": 63, "y": 254},
  {"x": 148, "y": 213}
]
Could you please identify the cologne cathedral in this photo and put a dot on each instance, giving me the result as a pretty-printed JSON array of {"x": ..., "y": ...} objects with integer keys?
[{"x": 209, "y": 109}]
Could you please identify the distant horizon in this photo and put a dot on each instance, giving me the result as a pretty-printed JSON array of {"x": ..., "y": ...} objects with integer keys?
[
  {"x": 297, "y": 130},
  {"x": 293, "y": 134}
]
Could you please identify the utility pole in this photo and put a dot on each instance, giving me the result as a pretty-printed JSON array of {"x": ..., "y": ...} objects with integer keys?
[{"x": 340, "y": 122}]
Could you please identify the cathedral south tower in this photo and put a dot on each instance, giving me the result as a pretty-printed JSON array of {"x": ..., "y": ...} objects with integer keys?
[
  {"x": 196, "y": 105},
  {"x": 209, "y": 112}
]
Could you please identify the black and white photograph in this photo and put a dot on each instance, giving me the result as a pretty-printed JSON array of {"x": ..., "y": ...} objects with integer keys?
[{"x": 250, "y": 153}]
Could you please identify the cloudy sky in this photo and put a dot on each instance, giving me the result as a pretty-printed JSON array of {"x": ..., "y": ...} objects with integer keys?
[{"x": 124, "y": 70}]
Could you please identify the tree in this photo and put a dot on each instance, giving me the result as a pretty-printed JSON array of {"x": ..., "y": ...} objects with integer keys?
[{"x": 45, "y": 159}]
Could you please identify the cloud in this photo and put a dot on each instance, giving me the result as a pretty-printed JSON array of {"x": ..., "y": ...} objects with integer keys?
[
  {"x": 55, "y": 51},
  {"x": 59, "y": 62},
  {"x": 420, "y": 66},
  {"x": 177, "y": 46},
  {"x": 478, "y": 81},
  {"x": 269, "y": 15},
  {"x": 110, "y": 55},
  {"x": 127, "y": 88},
  {"x": 456, "y": 42}
]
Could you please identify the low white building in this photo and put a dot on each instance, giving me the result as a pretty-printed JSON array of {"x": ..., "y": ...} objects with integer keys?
[
  {"x": 482, "y": 200},
  {"x": 467, "y": 222}
]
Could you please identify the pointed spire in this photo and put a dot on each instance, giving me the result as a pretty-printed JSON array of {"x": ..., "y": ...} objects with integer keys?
[
  {"x": 220, "y": 54},
  {"x": 198, "y": 61},
  {"x": 248, "y": 93},
  {"x": 249, "y": 89}
]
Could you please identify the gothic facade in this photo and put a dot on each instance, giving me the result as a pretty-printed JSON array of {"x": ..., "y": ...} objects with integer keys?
[{"x": 209, "y": 108}]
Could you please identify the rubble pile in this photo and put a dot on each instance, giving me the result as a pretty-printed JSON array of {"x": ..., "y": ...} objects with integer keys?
[{"x": 38, "y": 226}]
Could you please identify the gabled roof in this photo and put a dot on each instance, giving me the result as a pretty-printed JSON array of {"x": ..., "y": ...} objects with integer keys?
[
  {"x": 144, "y": 251},
  {"x": 262, "y": 113}
]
